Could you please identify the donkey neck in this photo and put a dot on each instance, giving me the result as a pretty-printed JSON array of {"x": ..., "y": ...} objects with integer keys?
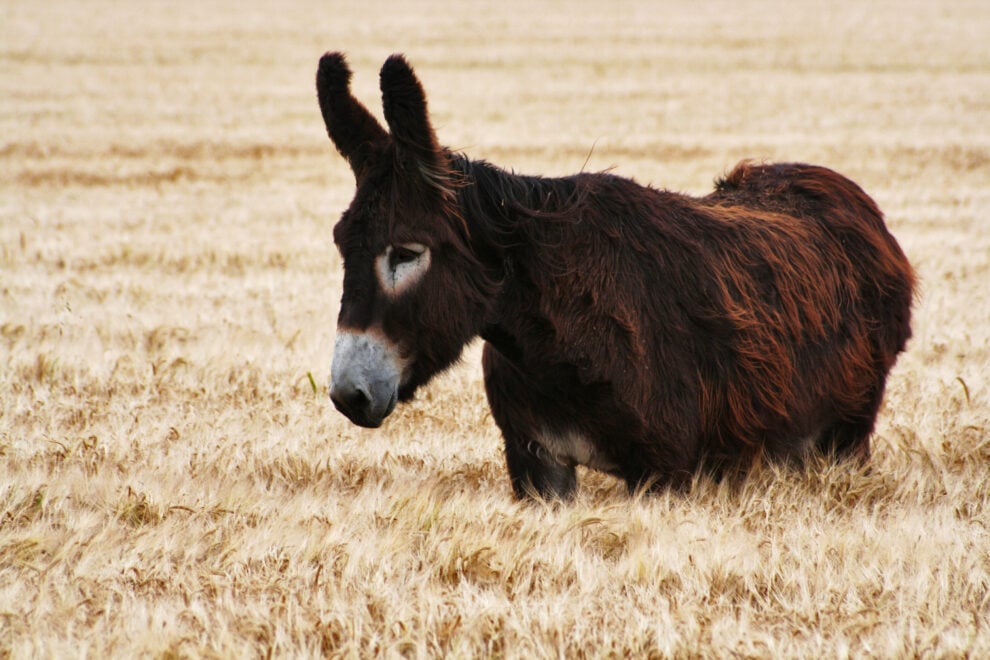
[{"x": 511, "y": 217}]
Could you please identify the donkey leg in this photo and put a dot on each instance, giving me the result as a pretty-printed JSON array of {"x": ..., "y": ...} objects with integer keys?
[
  {"x": 514, "y": 404},
  {"x": 847, "y": 439},
  {"x": 850, "y": 437},
  {"x": 666, "y": 472},
  {"x": 534, "y": 474}
]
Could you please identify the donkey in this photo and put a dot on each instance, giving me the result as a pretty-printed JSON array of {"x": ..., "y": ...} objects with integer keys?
[{"x": 631, "y": 330}]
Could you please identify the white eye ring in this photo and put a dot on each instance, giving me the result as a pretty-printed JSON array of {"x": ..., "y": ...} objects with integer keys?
[{"x": 401, "y": 266}]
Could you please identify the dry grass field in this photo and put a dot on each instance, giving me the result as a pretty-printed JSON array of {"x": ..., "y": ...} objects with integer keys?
[{"x": 173, "y": 479}]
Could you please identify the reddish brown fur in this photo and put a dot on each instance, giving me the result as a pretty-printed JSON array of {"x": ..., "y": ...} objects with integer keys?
[{"x": 673, "y": 333}]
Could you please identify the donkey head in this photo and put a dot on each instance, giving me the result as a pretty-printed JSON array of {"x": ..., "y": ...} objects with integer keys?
[{"x": 413, "y": 292}]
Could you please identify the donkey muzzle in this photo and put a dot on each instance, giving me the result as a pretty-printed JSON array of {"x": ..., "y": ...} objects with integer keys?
[{"x": 364, "y": 377}]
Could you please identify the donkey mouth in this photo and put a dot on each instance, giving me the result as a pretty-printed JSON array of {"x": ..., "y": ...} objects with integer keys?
[{"x": 363, "y": 411}]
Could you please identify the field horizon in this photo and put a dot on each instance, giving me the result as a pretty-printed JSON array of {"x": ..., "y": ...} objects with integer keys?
[{"x": 174, "y": 481}]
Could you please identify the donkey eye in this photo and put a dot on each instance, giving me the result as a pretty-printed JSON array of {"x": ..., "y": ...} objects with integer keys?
[{"x": 404, "y": 254}]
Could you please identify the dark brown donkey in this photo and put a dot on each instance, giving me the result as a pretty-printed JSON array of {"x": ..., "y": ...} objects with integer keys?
[{"x": 631, "y": 330}]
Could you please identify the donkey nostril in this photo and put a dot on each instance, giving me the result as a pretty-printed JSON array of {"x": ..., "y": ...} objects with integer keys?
[
  {"x": 357, "y": 400},
  {"x": 350, "y": 400}
]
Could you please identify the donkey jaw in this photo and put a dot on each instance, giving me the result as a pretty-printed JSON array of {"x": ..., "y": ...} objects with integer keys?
[{"x": 365, "y": 377}]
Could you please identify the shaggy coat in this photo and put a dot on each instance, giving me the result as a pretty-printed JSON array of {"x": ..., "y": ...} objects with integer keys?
[{"x": 636, "y": 331}]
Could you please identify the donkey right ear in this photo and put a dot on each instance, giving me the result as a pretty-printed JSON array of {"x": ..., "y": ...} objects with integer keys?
[{"x": 350, "y": 126}]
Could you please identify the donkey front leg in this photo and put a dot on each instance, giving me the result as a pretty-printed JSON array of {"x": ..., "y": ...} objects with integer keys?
[{"x": 534, "y": 472}]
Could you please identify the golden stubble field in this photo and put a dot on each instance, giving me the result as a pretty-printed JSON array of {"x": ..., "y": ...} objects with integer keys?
[{"x": 172, "y": 483}]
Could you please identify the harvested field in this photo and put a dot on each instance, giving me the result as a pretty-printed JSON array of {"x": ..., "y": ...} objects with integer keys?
[{"x": 173, "y": 479}]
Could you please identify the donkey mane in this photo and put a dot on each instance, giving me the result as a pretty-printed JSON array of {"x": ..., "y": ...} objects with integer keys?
[
  {"x": 505, "y": 209},
  {"x": 493, "y": 195}
]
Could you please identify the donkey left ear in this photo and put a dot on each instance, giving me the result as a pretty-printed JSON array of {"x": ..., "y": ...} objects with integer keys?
[
  {"x": 404, "y": 104},
  {"x": 349, "y": 124}
]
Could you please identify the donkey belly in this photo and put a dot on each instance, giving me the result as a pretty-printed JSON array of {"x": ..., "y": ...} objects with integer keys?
[
  {"x": 550, "y": 424},
  {"x": 558, "y": 419},
  {"x": 575, "y": 448}
]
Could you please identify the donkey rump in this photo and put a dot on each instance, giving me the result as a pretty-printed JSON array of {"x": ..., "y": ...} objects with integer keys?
[{"x": 632, "y": 330}]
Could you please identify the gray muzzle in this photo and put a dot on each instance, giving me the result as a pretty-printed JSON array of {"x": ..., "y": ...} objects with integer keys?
[{"x": 364, "y": 377}]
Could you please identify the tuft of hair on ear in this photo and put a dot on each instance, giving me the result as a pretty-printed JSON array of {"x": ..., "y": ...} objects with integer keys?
[
  {"x": 349, "y": 124},
  {"x": 333, "y": 73}
]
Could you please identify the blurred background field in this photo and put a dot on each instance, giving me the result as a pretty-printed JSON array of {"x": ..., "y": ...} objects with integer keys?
[{"x": 173, "y": 479}]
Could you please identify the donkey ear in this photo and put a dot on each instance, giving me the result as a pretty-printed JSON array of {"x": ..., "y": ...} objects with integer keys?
[
  {"x": 404, "y": 103},
  {"x": 349, "y": 124}
]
